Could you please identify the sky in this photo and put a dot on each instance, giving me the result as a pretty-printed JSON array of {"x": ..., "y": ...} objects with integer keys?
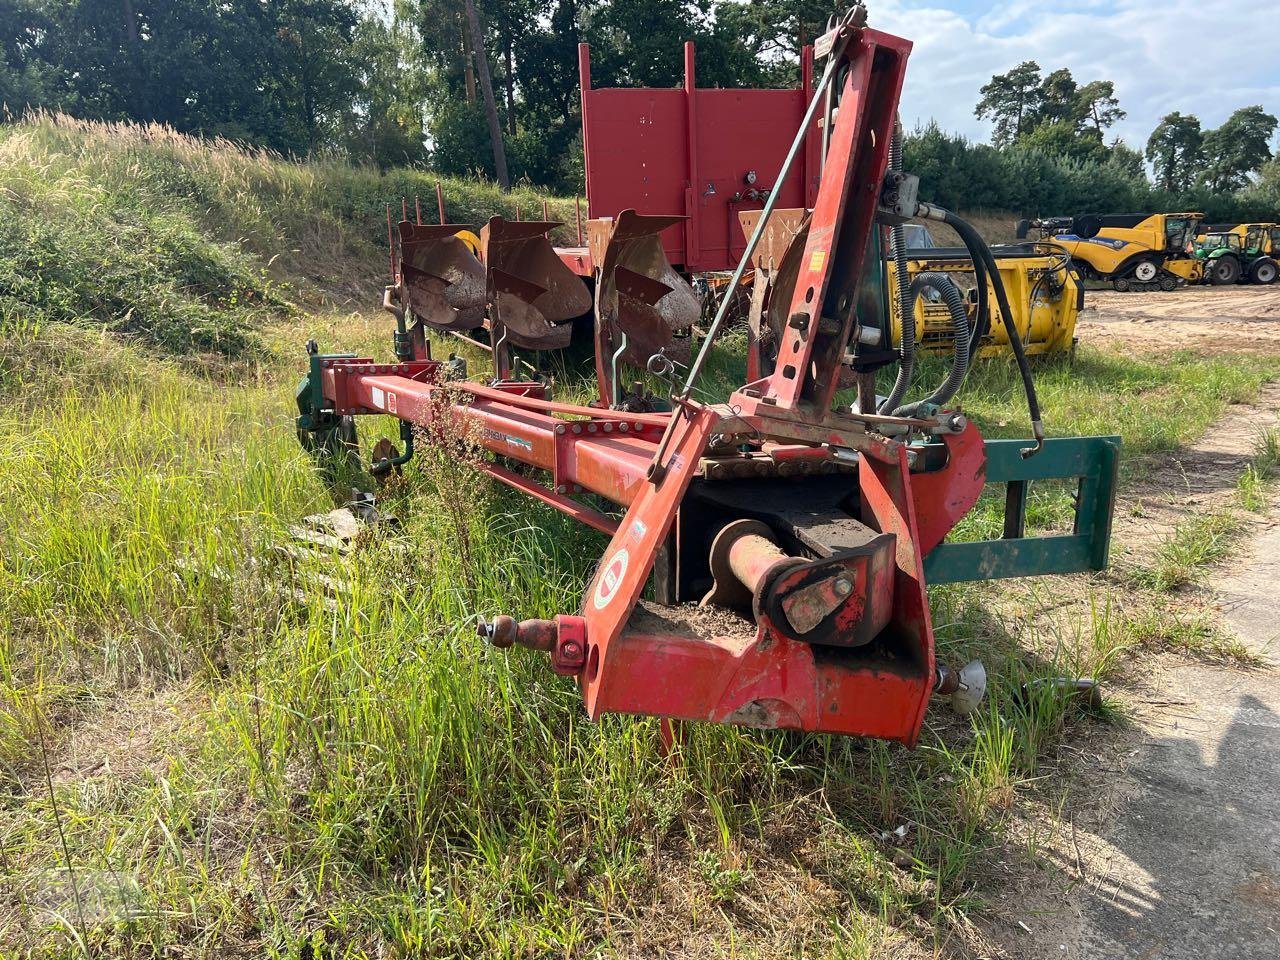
[{"x": 1193, "y": 56}]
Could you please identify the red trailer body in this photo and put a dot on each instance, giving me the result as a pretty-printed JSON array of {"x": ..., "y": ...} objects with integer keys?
[{"x": 701, "y": 154}]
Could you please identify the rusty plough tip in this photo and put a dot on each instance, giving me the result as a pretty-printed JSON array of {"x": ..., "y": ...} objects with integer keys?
[
  {"x": 532, "y": 294},
  {"x": 644, "y": 306}
]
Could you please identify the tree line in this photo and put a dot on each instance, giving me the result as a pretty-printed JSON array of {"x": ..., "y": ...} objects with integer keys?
[
  {"x": 394, "y": 82},
  {"x": 1049, "y": 154},
  {"x": 440, "y": 83}
]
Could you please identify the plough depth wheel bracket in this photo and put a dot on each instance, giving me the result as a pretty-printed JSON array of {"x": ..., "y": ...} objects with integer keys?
[{"x": 787, "y": 539}]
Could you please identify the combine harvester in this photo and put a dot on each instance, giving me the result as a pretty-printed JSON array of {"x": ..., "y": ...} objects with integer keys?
[
  {"x": 1134, "y": 252},
  {"x": 787, "y": 535}
]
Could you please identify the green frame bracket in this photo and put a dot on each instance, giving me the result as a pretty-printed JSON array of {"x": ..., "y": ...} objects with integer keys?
[{"x": 1093, "y": 461}]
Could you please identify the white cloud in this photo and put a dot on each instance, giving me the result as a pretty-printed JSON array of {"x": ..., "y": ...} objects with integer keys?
[{"x": 1184, "y": 55}]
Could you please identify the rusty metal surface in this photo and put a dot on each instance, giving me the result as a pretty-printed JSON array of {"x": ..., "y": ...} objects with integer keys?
[
  {"x": 443, "y": 281},
  {"x": 841, "y": 601},
  {"x": 639, "y": 295},
  {"x": 743, "y": 556},
  {"x": 779, "y": 231},
  {"x": 532, "y": 294}
]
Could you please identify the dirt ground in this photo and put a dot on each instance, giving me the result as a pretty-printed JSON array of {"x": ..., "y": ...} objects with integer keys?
[
  {"x": 1174, "y": 853},
  {"x": 1214, "y": 319}
]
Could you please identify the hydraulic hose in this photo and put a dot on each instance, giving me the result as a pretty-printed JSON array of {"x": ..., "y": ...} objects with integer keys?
[
  {"x": 906, "y": 300},
  {"x": 960, "y": 357},
  {"x": 982, "y": 319},
  {"x": 979, "y": 251}
]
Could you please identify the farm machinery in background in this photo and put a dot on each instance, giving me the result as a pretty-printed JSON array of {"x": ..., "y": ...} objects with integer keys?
[
  {"x": 1236, "y": 252},
  {"x": 768, "y": 551},
  {"x": 1135, "y": 252}
]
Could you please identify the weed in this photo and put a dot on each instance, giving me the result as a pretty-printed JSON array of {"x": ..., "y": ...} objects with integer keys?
[
  {"x": 1254, "y": 486},
  {"x": 1194, "y": 544},
  {"x": 723, "y": 881},
  {"x": 1168, "y": 627},
  {"x": 191, "y": 245}
]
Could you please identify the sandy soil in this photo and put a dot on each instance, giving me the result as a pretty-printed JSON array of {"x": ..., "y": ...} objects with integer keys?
[{"x": 1212, "y": 319}]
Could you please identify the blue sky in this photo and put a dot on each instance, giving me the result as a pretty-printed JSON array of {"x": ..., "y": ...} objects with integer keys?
[{"x": 1187, "y": 55}]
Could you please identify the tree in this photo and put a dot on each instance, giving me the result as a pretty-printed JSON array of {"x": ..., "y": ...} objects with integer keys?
[
  {"x": 486, "y": 89},
  {"x": 386, "y": 126},
  {"x": 1098, "y": 106},
  {"x": 1123, "y": 157},
  {"x": 1062, "y": 138},
  {"x": 22, "y": 74},
  {"x": 1238, "y": 148},
  {"x": 1012, "y": 101},
  {"x": 312, "y": 59},
  {"x": 1175, "y": 150},
  {"x": 1058, "y": 100}
]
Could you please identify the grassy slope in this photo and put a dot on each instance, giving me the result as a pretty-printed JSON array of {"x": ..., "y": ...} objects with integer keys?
[
  {"x": 280, "y": 777},
  {"x": 190, "y": 244}
]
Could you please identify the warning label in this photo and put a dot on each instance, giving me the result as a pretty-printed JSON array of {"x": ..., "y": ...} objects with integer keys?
[{"x": 611, "y": 580}]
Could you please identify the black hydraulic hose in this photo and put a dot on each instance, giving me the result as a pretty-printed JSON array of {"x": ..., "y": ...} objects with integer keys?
[
  {"x": 979, "y": 250},
  {"x": 960, "y": 323},
  {"x": 982, "y": 319},
  {"x": 906, "y": 300}
]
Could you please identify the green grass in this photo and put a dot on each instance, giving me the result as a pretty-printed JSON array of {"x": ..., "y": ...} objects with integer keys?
[
  {"x": 193, "y": 245},
  {"x": 1205, "y": 540},
  {"x": 1194, "y": 545},
  {"x": 283, "y": 779},
  {"x": 1255, "y": 482},
  {"x": 375, "y": 779}
]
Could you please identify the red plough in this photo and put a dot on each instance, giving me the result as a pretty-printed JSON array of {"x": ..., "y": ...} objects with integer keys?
[{"x": 788, "y": 536}]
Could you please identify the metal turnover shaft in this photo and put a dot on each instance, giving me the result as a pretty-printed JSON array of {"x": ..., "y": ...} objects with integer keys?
[
  {"x": 753, "y": 556},
  {"x": 744, "y": 560}
]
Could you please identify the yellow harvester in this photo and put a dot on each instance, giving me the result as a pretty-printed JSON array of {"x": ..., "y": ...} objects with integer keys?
[{"x": 1131, "y": 251}]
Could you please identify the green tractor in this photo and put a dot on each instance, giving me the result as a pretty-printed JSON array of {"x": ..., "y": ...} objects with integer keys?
[{"x": 1241, "y": 252}]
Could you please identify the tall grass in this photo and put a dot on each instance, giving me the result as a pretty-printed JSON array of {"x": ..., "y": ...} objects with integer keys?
[
  {"x": 373, "y": 777},
  {"x": 192, "y": 244}
]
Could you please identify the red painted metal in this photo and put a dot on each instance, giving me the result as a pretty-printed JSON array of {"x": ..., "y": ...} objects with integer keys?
[
  {"x": 839, "y": 228},
  {"x": 571, "y": 508},
  {"x": 606, "y": 452},
  {"x": 688, "y": 152},
  {"x": 943, "y": 498}
]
